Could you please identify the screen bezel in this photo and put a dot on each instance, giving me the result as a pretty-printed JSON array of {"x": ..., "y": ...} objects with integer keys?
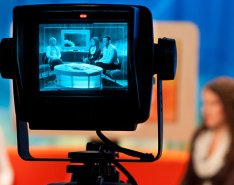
[{"x": 68, "y": 17}]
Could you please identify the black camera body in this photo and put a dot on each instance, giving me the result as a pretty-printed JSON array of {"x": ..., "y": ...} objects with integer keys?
[
  {"x": 83, "y": 108},
  {"x": 86, "y": 67}
]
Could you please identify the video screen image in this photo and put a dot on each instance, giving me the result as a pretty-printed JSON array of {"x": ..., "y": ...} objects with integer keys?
[{"x": 83, "y": 56}]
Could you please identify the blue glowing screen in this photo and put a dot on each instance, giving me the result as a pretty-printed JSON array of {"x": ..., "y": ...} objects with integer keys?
[{"x": 83, "y": 56}]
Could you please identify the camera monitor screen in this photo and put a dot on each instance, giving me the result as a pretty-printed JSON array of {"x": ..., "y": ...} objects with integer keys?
[{"x": 83, "y": 56}]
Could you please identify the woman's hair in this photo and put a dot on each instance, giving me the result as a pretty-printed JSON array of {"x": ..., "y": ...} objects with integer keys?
[
  {"x": 97, "y": 43},
  {"x": 223, "y": 87}
]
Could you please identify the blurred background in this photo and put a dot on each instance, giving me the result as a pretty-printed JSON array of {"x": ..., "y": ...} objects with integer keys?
[{"x": 204, "y": 34}]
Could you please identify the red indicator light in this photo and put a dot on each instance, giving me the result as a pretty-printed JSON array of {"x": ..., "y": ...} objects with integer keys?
[{"x": 83, "y": 16}]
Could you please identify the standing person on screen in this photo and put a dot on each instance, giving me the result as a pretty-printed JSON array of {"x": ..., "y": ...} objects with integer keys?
[
  {"x": 212, "y": 149},
  {"x": 109, "y": 58},
  {"x": 53, "y": 53},
  {"x": 94, "y": 51},
  {"x": 6, "y": 171}
]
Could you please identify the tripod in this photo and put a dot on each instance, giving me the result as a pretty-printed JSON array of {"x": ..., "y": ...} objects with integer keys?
[{"x": 97, "y": 167}]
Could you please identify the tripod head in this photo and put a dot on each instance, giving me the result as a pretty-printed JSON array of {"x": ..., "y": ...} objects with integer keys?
[{"x": 97, "y": 167}]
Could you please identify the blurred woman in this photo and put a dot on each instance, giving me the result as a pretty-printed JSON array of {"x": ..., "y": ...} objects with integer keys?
[
  {"x": 6, "y": 171},
  {"x": 94, "y": 51},
  {"x": 212, "y": 148}
]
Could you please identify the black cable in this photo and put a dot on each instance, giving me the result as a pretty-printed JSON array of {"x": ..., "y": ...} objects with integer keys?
[
  {"x": 142, "y": 156},
  {"x": 131, "y": 179}
]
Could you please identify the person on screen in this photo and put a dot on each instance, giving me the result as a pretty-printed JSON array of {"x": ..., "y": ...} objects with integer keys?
[
  {"x": 6, "y": 170},
  {"x": 53, "y": 53},
  {"x": 94, "y": 51},
  {"x": 109, "y": 59},
  {"x": 212, "y": 148}
]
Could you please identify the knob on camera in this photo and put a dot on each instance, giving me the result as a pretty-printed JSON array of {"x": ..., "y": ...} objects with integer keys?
[
  {"x": 165, "y": 58},
  {"x": 7, "y": 62}
]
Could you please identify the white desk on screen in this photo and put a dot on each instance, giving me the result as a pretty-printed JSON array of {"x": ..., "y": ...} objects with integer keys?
[{"x": 79, "y": 75}]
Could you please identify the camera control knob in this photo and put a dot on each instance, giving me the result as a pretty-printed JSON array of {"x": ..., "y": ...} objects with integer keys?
[
  {"x": 7, "y": 63},
  {"x": 165, "y": 58}
]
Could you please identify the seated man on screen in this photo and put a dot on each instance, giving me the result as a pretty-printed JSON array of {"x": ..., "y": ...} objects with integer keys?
[
  {"x": 109, "y": 59},
  {"x": 53, "y": 53}
]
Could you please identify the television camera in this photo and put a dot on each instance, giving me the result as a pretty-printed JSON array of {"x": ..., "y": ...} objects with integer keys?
[{"x": 54, "y": 89}]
